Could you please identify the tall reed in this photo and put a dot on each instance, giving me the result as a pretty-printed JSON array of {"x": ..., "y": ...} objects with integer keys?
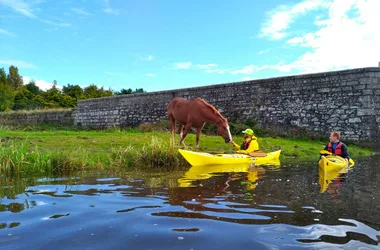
[{"x": 20, "y": 157}]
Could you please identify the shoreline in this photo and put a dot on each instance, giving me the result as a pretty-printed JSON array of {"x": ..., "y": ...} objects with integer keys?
[{"x": 47, "y": 151}]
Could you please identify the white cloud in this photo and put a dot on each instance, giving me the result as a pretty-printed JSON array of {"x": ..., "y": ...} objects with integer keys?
[
  {"x": 107, "y": 9},
  {"x": 261, "y": 52},
  {"x": 205, "y": 66},
  {"x": 80, "y": 11},
  {"x": 342, "y": 40},
  {"x": 218, "y": 71},
  {"x": 7, "y": 33},
  {"x": 182, "y": 65},
  {"x": 19, "y": 6},
  {"x": 148, "y": 58},
  {"x": 17, "y": 63},
  {"x": 280, "y": 19},
  {"x": 295, "y": 40},
  {"x": 189, "y": 65},
  {"x": 42, "y": 84},
  {"x": 111, "y": 11},
  {"x": 250, "y": 69},
  {"x": 246, "y": 78},
  {"x": 60, "y": 24},
  {"x": 150, "y": 75}
]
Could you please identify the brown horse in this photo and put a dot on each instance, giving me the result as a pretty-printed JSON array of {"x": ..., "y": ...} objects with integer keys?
[{"x": 195, "y": 113}]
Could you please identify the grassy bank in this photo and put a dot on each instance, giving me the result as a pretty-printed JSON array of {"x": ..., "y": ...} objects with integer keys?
[{"x": 50, "y": 149}]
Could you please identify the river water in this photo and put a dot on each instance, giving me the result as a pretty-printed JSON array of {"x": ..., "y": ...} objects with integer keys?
[{"x": 262, "y": 207}]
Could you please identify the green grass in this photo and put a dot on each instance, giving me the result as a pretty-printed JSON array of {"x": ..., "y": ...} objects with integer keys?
[{"x": 48, "y": 149}]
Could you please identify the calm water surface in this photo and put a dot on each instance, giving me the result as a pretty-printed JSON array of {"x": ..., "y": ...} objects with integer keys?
[{"x": 267, "y": 207}]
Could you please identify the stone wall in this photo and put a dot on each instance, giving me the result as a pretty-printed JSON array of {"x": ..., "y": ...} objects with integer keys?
[
  {"x": 347, "y": 100},
  {"x": 61, "y": 117}
]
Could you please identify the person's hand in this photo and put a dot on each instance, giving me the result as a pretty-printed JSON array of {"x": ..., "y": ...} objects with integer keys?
[{"x": 232, "y": 142}]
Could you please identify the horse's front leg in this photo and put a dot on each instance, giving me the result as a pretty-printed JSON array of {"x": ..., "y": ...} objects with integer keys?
[
  {"x": 185, "y": 132},
  {"x": 172, "y": 131},
  {"x": 199, "y": 130},
  {"x": 180, "y": 130}
]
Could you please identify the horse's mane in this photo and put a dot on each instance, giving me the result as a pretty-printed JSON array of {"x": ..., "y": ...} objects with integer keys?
[{"x": 213, "y": 109}]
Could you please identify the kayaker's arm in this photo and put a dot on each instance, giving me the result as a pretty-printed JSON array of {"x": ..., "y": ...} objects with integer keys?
[
  {"x": 253, "y": 146},
  {"x": 237, "y": 147},
  {"x": 345, "y": 153}
]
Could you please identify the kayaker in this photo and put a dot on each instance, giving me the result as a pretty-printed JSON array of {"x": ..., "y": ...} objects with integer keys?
[
  {"x": 249, "y": 144},
  {"x": 337, "y": 147}
]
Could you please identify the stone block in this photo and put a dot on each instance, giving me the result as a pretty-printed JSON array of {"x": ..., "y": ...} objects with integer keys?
[
  {"x": 354, "y": 120},
  {"x": 374, "y": 85},
  {"x": 346, "y": 89},
  {"x": 332, "y": 120},
  {"x": 367, "y": 92},
  {"x": 322, "y": 107},
  {"x": 365, "y": 112},
  {"x": 323, "y": 90}
]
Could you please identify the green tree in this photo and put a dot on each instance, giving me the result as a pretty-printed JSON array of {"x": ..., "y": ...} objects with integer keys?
[
  {"x": 139, "y": 91},
  {"x": 23, "y": 100},
  {"x": 92, "y": 91},
  {"x": 55, "y": 98},
  {"x": 75, "y": 91},
  {"x": 14, "y": 79},
  {"x": 52, "y": 96},
  {"x": 3, "y": 76},
  {"x": 129, "y": 91},
  {"x": 6, "y": 93},
  {"x": 6, "y": 97},
  {"x": 33, "y": 88},
  {"x": 124, "y": 92}
]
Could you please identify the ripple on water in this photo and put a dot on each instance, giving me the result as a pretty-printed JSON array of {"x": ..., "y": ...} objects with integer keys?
[{"x": 113, "y": 213}]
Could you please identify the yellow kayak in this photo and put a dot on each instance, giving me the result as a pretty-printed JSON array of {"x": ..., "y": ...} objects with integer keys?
[
  {"x": 334, "y": 162},
  {"x": 203, "y": 159},
  {"x": 330, "y": 167}
]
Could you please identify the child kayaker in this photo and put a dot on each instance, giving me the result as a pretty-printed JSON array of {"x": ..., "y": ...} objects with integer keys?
[
  {"x": 337, "y": 147},
  {"x": 249, "y": 144}
]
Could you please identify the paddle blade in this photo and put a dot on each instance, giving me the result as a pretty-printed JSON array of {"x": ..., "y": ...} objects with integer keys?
[
  {"x": 351, "y": 162},
  {"x": 325, "y": 152}
]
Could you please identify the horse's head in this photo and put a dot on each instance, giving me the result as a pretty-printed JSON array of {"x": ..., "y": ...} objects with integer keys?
[{"x": 223, "y": 130}]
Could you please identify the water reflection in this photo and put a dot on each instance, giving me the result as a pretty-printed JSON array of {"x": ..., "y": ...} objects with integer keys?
[
  {"x": 214, "y": 207},
  {"x": 332, "y": 179},
  {"x": 197, "y": 174}
]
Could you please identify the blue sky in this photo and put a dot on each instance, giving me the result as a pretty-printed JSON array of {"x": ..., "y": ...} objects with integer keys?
[{"x": 168, "y": 44}]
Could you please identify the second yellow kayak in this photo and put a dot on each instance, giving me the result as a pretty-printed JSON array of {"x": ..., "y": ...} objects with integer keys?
[
  {"x": 334, "y": 162},
  {"x": 330, "y": 167}
]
